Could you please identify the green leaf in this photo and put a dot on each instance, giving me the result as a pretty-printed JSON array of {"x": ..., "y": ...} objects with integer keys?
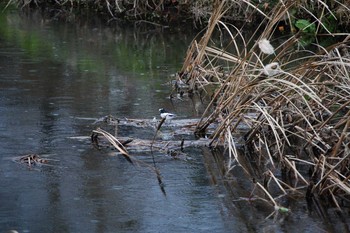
[
  {"x": 305, "y": 26},
  {"x": 283, "y": 210},
  {"x": 330, "y": 23},
  {"x": 306, "y": 40}
]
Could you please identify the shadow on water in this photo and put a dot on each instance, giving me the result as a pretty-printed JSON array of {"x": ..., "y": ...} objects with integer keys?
[{"x": 55, "y": 79}]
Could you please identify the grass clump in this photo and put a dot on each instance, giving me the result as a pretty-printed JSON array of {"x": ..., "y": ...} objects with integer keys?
[{"x": 292, "y": 102}]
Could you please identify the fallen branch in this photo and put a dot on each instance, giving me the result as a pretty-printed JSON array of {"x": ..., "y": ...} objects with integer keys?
[{"x": 114, "y": 141}]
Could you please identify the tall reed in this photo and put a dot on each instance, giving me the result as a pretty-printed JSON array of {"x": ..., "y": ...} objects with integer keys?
[{"x": 292, "y": 102}]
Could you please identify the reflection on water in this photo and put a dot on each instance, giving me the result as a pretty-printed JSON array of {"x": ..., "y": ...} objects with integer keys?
[{"x": 54, "y": 74}]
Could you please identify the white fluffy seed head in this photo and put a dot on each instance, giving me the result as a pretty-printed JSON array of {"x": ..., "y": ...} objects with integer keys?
[
  {"x": 272, "y": 69},
  {"x": 265, "y": 46}
]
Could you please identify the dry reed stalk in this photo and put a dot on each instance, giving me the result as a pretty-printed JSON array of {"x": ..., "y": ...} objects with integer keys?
[
  {"x": 115, "y": 142},
  {"x": 296, "y": 114},
  {"x": 119, "y": 146},
  {"x": 196, "y": 53}
]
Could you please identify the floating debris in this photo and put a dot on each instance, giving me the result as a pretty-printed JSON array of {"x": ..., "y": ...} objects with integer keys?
[{"x": 32, "y": 160}]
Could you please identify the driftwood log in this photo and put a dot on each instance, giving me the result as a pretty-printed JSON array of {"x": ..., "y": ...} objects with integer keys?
[
  {"x": 144, "y": 145},
  {"x": 182, "y": 129},
  {"x": 179, "y": 126}
]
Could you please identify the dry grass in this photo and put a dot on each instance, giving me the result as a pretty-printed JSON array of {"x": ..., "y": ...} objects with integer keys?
[{"x": 294, "y": 103}]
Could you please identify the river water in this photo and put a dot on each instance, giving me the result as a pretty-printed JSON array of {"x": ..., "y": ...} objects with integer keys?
[
  {"x": 55, "y": 79},
  {"x": 56, "y": 76}
]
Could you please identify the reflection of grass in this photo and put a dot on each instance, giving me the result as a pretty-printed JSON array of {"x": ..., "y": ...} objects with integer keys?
[
  {"x": 35, "y": 46},
  {"x": 91, "y": 65},
  {"x": 31, "y": 43},
  {"x": 99, "y": 50},
  {"x": 6, "y": 32}
]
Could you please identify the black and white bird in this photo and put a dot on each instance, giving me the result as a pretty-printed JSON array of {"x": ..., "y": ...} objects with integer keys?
[{"x": 166, "y": 115}]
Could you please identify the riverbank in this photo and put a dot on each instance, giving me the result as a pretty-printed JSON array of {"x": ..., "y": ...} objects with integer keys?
[
  {"x": 295, "y": 85},
  {"x": 180, "y": 12}
]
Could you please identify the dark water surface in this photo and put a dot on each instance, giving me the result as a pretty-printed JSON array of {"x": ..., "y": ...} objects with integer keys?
[
  {"x": 54, "y": 75},
  {"x": 55, "y": 78}
]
